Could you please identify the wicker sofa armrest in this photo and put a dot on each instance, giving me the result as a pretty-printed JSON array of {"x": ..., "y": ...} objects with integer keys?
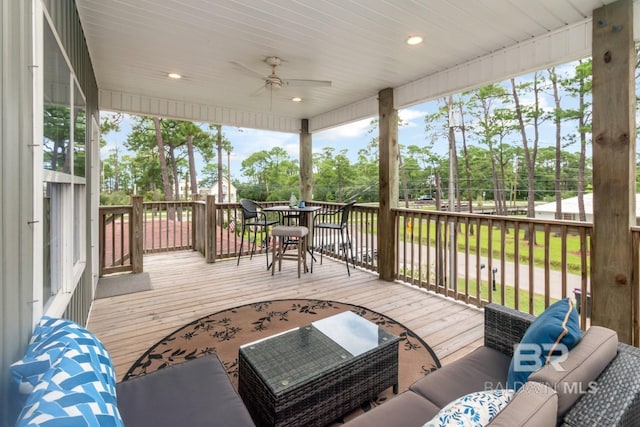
[
  {"x": 504, "y": 327},
  {"x": 614, "y": 398}
]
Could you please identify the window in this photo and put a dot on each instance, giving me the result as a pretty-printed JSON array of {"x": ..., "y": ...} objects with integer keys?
[{"x": 64, "y": 168}]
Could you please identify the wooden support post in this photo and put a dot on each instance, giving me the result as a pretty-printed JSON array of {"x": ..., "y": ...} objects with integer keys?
[
  {"x": 614, "y": 300},
  {"x": 388, "y": 177},
  {"x": 136, "y": 233},
  {"x": 306, "y": 162},
  {"x": 211, "y": 244}
]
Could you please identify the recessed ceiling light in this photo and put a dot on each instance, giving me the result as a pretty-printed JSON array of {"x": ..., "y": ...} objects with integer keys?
[
  {"x": 414, "y": 40},
  {"x": 174, "y": 76},
  {"x": 296, "y": 99}
]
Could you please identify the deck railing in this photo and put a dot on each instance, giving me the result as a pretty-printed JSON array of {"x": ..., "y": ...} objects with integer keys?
[
  {"x": 167, "y": 226},
  {"x": 120, "y": 238},
  {"x": 523, "y": 263}
]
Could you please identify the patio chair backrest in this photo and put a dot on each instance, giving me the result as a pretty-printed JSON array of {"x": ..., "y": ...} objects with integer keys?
[
  {"x": 249, "y": 209},
  {"x": 346, "y": 209}
]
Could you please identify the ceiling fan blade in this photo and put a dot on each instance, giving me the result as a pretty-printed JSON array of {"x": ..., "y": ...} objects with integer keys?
[
  {"x": 308, "y": 83},
  {"x": 259, "y": 91},
  {"x": 247, "y": 71}
]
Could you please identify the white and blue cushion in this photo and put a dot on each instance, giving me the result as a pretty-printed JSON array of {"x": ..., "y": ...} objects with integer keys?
[
  {"x": 65, "y": 379},
  {"x": 472, "y": 410},
  {"x": 52, "y": 339}
]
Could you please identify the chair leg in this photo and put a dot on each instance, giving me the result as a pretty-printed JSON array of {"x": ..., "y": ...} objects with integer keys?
[
  {"x": 253, "y": 244},
  {"x": 275, "y": 257},
  {"x": 280, "y": 252},
  {"x": 299, "y": 256},
  {"x": 346, "y": 254},
  {"x": 266, "y": 236},
  {"x": 241, "y": 244},
  {"x": 353, "y": 259}
]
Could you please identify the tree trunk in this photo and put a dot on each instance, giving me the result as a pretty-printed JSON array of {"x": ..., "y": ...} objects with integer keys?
[
  {"x": 467, "y": 167},
  {"x": 220, "y": 198},
  {"x": 405, "y": 190},
  {"x": 192, "y": 166},
  {"x": 176, "y": 184},
  {"x": 174, "y": 173},
  {"x": 583, "y": 152},
  {"x": 439, "y": 238},
  {"x": 557, "y": 185},
  {"x": 530, "y": 154},
  {"x": 166, "y": 185}
]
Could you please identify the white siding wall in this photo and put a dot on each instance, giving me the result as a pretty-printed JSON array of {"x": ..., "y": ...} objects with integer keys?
[{"x": 17, "y": 217}]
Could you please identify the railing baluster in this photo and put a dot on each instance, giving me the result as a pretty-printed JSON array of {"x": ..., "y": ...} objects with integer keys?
[
  {"x": 516, "y": 263},
  {"x": 532, "y": 245},
  {"x": 547, "y": 266}
]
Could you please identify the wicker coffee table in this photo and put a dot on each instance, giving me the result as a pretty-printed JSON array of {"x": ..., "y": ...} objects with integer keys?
[{"x": 317, "y": 373}]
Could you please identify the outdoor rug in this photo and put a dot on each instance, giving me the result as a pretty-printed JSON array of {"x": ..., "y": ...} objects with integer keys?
[
  {"x": 224, "y": 332},
  {"x": 121, "y": 284}
]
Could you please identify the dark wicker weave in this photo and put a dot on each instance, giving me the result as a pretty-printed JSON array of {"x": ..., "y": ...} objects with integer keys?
[
  {"x": 307, "y": 379},
  {"x": 504, "y": 327},
  {"x": 615, "y": 398}
]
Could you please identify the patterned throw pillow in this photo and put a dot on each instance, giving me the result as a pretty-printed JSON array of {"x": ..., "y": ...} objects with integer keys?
[
  {"x": 472, "y": 410},
  {"x": 66, "y": 374},
  {"x": 69, "y": 396},
  {"x": 53, "y": 338},
  {"x": 551, "y": 334}
]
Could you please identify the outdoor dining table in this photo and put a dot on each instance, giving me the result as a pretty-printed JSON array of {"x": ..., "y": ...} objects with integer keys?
[{"x": 305, "y": 218}]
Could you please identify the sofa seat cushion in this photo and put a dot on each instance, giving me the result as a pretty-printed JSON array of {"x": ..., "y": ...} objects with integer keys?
[
  {"x": 197, "y": 390},
  {"x": 405, "y": 410},
  {"x": 573, "y": 377},
  {"x": 534, "y": 405},
  {"x": 481, "y": 370}
]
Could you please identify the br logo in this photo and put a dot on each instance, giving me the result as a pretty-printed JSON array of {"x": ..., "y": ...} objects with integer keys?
[{"x": 531, "y": 357}]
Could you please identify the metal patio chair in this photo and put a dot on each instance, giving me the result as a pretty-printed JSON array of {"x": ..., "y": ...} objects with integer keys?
[
  {"x": 332, "y": 222},
  {"x": 254, "y": 218}
]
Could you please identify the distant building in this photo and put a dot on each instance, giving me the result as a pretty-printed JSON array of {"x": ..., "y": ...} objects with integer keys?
[
  {"x": 570, "y": 210},
  {"x": 229, "y": 192}
]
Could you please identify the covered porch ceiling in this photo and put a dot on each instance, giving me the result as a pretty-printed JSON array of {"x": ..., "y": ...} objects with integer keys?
[{"x": 219, "y": 47}]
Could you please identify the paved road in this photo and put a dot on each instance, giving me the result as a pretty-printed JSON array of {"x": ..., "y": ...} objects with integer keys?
[{"x": 505, "y": 273}]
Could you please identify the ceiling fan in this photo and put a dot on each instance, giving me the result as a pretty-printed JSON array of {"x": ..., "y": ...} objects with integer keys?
[{"x": 273, "y": 81}]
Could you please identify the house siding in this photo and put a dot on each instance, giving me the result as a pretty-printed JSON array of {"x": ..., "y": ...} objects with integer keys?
[
  {"x": 19, "y": 229},
  {"x": 16, "y": 184}
]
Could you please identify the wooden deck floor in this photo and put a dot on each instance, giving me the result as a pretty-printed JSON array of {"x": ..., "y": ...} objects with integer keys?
[{"x": 186, "y": 288}]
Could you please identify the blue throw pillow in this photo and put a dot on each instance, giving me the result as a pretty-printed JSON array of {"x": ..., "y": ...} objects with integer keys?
[{"x": 551, "y": 335}]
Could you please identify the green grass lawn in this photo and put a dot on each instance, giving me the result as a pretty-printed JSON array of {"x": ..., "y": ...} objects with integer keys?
[{"x": 573, "y": 245}]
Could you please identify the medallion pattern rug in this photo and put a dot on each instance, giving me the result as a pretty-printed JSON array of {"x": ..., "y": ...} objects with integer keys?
[{"x": 224, "y": 332}]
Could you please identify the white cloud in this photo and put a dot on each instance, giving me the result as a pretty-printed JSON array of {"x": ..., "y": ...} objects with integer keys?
[
  {"x": 410, "y": 117},
  {"x": 351, "y": 130}
]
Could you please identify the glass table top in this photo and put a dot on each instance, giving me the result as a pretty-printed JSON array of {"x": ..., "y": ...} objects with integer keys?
[{"x": 297, "y": 355}]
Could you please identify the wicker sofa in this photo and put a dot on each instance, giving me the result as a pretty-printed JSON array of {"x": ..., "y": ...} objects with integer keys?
[
  {"x": 67, "y": 378},
  {"x": 599, "y": 386}
]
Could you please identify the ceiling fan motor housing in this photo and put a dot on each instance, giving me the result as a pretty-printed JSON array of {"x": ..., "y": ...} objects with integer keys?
[{"x": 273, "y": 82}]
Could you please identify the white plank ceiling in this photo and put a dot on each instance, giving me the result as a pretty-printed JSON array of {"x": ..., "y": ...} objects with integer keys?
[{"x": 358, "y": 45}]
